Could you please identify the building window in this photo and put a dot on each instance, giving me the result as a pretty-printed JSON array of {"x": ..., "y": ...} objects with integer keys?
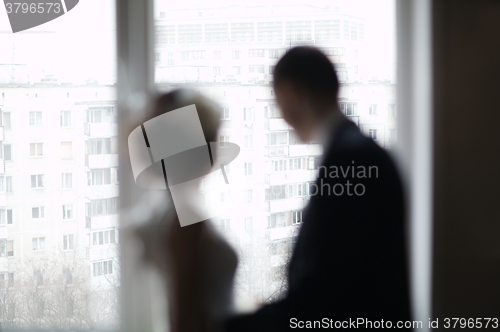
[
  {"x": 157, "y": 56},
  {"x": 8, "y": 184},
  {"x": 99, "y": 177},
  {"x": 66, "y": 150},
  {"x": 7, "y": 152},
  {"x": 276, "y": 220},
  {"x": 102, "y": 268},
  {"x": 35, "y": 118},
  {"x": 273, "y": 54},
  {"x": 36, "y": 150},
  {"x": 296, "y": 217},
  {"x": 67, "y": 180},
  {"x": 103, "y": 237},
  {"x": 392, "y": 136},
  {"x": 248, "y": 114},
  {"x": 255, "y": 53},
  {"x": 248, "y": 169},
  {"x": 349, "y": 108},
  {"x": 216, "y": 70},
  {"x": 236, "y": 54},
  {"x": 297, "y": 190},
  {"x": 216, "y": 55},
  {"x": 65, "y": 118},
  {"x": 277, "y": 138},
  {"x": 37, "y": 181},
  {"x": 38, "y": 212},
  {"x": 225, "y": 115},
  {"x": 225, "y": 224},
  {"x": 6, "y": 121},
  {"x": 67, "y": 210},
  {"x": 223, "y": 140},
  {"x": 391, "y": 111},
  {"x": 6, "y": 248},
  {"x": 372, "y": 109},
  {"x": 101, "y": 146},
  {"x": 170, "y": 58},
  {"x": 271, "y": 71},
  {"x": 248, "y": 224},
  {"x": 198, "y": 54},
  {"x": 256, "y": 69},
  {"x": 38, "y": 243},
  {"x": 102, "y": 207},
  {"x": 10, "y": 282},
  {"x": 6, "y": 217},
  {"x": 184, "y": 55},
  {"x": 237, "y": 70},
  {"x": 248, "y": 142},
  {"x": 372, "y": 133},
  {"x": 69, "y": 242},
  {"x": 249, "y": 196}
]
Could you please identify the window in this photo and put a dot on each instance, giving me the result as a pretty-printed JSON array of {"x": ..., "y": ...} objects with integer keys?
[
  {"x": 273, "y": 54},
  {"x": 225, "y": 224},
  {"x": 99, "y": 177},
  {"x": 249, "y": 196},
  {"x": 391, "y": 111},
  {"x": 38, "y": 212},
  {"x": 7, "y": 152},
  {"x": 6, "y": 217},
  {"x": 277, "y": 138},
  {"x": 38, "y": 243},
  {"x": 35, "y": 118},
  {"x": 103, "y": 237},
  {"x": 6, "y": 248},
  {"x": 271, "y": 70},
  {"x": 101, "y": 145},
  {"x": 248, "y": 142},
  {"x": 69, "y": 242},
  {"x": 255, "y": 53},
  {"x": 6, "y": 121},
  {"x": 157, "y": 56},
  {"x": 102, "y": 115},
  {"x": 296, "y": 217},
  {"x": 67, "y": 180},
  {"x": 170, "y": 58},
  {"x": 297, "y": 190},
  {"x": 256, "y": 69},
  {"x": 216, "y": 55},
  {"x": 225, "y": 113},
  {"x": 392, "y": 135},
  {"x": 216, "y": 70},
  {"x": 236, "y": 54},
  {"x": 66, "y": 150},
  {"x": 237, "y": 70},
  {"x": 277, "y": 220},
  {"x": 223, "y": 140},
  {"x": 279, "y": 165},
  {"x": 102, "y": 207},
  {"x": 248, "y": 224},
  {"x": 248, "y": 114},
  {"x": 8, "y": 184},
  {"x": 102, "y": 268},
  {"x": 372, "y": 109},
  {"x": 36, "y": 150},
  {"x": 276, "y": 192},
  {"x": 37, "y": 181},
  {"x": 67, "y": 210},
  {"x": 65, "y": 118},
  {"x": 184, "y": 55},
  {"x": 248, "y": 169},
  {"x": 372, "y": 133},
  {"x": 10, "y": 282}
]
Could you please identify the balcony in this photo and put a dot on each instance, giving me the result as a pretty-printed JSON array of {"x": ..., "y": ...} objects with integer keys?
[
  {"x": 288, "y": 204},
  {"x": 279, "y": 233},
  {"x": 102, "y": 191},
  {"x": 104, "y": 221},
  {"x": 278, "y": 124},
  {"x": 101, "y": 160},
  {"x": 276, "y": 151},
  {"x": 102, "y": 252},
  {"x": 101, "y": 129},
  {"x": 292, "y": 177},
  {"x": 305, "y": 150}
]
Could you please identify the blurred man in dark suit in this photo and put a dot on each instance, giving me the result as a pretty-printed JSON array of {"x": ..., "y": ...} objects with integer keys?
[{"x": 349, "y": 261}]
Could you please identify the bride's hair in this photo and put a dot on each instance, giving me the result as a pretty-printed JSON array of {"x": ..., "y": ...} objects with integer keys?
[{"x": 208, "y": 111}]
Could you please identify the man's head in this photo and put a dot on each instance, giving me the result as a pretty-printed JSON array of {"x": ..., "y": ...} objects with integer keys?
[{"x": 306, "y": 87}]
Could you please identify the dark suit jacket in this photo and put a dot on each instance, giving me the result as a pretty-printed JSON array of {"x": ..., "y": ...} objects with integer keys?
[{"x": 349, "y": 261}]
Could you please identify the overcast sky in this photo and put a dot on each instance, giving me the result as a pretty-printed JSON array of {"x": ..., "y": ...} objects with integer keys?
[{"x": 81, "y": 43}]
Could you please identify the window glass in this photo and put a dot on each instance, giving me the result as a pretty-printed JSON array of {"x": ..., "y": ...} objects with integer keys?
[{"x": 242, "y": 44}]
